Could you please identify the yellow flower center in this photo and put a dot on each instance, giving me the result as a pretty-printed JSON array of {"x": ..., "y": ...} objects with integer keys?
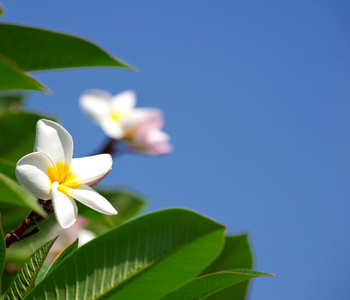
[
  {"x": 118, "y": 115},
  {"x": 63, "y": 176}
]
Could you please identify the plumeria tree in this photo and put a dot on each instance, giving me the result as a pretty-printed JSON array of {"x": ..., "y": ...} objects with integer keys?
[{"x": 65, "y": 238}]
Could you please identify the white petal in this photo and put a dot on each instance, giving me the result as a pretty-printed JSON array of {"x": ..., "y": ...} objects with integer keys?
[
  {"x": 124, "y": 101},
  {"x": 97, "y": 104},
  {"x": 89, "y": 169},
  {"x": 65, "y": 208},
  {"x": 32, "y": 174},
  {"x": 112, "y": 128},
  {"x": 54, "y": 140},
  {"x": 92, "y": 199}
]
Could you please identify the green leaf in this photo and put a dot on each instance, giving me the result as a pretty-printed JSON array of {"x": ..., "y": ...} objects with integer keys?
[
  {"x": 41, "y": 274},
  {"x": 126, "y": 203},
  {"x": 44, "y": 271},
  {"x": 18, "y": 134},
  {"x": 8, "y": 168},
  {"x": 35, "y": 49},
  {"x": 204, "y": 286},
  {"x": 145, "y": 258},
  {"x": 2, "y": 249},
  {"x": 236, "y": 254},
  {"x": 14, "y": 78},
  {"x": 63, "y": 255},
  {"x": 12, "y": 193},
  {"x": 25, "y": 278}
]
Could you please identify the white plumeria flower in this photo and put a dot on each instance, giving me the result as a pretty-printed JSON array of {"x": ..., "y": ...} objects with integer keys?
[
  {"x": 51, "y": 173},
  {"x": 115, "y": 114}
]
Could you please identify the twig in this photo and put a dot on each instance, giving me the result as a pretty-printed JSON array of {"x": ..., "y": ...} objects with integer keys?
[
  {"x": 31, "y": 220},
  {"x": 109, "y": 147}
]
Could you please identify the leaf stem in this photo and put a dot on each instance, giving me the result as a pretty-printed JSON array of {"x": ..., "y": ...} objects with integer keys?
[{"x": 31, "y": 220}]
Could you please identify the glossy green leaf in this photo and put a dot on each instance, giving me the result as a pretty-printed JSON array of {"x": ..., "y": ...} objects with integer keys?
[
  {"x": 207, "y": 285},
  {"x": 2, "y": 249},
  {"x": 36, "y": 49},
  {"x": 126, "y": 203},
  {"x": 12, "y": 193},
  {"x": 14, "y": 78},
  {"x": 145, "y": 258},
  {"x": 236, "y": 254},
  {"x": 18, "y": 134},
  {"x": 25, "y": 278}
]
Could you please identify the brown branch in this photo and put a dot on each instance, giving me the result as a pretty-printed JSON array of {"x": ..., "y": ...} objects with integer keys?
[
  {"x": 109, "y": 147},
  {"x": 31, "y": 220}
]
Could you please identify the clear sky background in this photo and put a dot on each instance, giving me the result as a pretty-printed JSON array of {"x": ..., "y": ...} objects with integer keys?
[{"x": 256, "y": 96}]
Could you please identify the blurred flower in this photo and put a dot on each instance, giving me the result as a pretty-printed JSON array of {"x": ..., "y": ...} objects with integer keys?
[
  {"x": 67, "y": 237},
  {"x": 51, "y": 173},
  {"x": 147, "y": 137},
  {"x": 120, "y": 120}
]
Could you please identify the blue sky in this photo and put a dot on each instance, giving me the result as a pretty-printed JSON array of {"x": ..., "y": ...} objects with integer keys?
[{"x": 256, "y": 98}]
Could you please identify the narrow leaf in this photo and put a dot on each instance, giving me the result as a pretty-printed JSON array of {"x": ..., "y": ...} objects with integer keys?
[
  {"x": 38, "y": 49},
  {"x": 168, "y": 248},
  {"x": 25, "y": 278},
  {"x": 14, "y": 78},
  {"x": 2, "y": 249},
  {"x": 12, "y": 193},
  {"x": 204, "y": 286}
]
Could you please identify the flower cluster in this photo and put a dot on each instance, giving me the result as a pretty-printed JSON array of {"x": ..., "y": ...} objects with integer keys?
[
  {"x": 50, "y": 172},
  {"x": 140, "y": 128}
]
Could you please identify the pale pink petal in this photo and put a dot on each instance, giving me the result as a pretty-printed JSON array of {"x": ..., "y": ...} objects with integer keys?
[
  {"x": 65, "y": 208},
  {"x": 55, "y": 141},
  {"x": 141, "y": 116},
  {"x": 149, "y": 138},
  {"x": 92, "y": 199},
  {"x": 97, "y": 104},
  {"x": 88, "y": 169},
  {"x": 160, "y": 149},
  {"x": 112, "y": 128},
  {"x": 32, "y": 174},
  {"x": 124, "y": 101}
]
